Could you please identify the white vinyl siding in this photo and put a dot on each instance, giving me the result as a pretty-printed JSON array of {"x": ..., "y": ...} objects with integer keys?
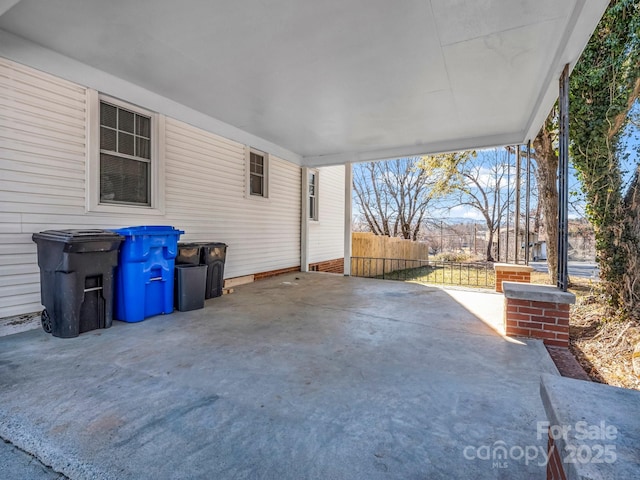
[
  {"x": 43, "y": 157},
  {"x": 205, "y": 185},
  {"x": 326, "y": 236}
]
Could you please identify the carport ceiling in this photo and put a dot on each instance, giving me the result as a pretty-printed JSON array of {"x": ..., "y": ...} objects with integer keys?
[{"x": 332, "y": 80}]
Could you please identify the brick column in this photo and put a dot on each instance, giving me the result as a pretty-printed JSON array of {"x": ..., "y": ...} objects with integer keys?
[
  {"x": 537, "y": 311},
  {"x": 555, "y": 468},
  {"x": 509, "y": 272}
]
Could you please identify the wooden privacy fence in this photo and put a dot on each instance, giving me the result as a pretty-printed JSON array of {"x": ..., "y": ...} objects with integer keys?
[{"x": 364, "y": 244}]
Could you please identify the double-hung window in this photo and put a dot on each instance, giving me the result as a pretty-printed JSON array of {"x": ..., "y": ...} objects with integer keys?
[
  {"x": 125, "y": 155},
  {"x": 258, "y": 173}
]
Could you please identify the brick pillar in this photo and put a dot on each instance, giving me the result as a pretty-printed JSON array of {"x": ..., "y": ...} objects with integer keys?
[
  {"x": 537, "y": 311},
  {"x": 509, "y": 272},
  {"x": 555, "y": 469}
]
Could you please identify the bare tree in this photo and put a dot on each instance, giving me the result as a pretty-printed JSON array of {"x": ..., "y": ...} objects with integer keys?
[
  {"x": 393, "y": 196},
  {"x": 478, "y": 183}
]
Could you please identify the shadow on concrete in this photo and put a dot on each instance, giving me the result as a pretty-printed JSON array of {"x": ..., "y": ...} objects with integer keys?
[{"x": 298, "y": 376}]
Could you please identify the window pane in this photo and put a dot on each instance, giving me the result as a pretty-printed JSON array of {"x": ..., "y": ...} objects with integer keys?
[
  {"x": 108, "y": 115},
  {"x": 143, "y": 148},
  {"x": 107, "y": 139},
  {"x": 257, "y": 163},
  {"x": 125, "y": 143},
  {"x": 256, "y": 185},
  {"x": 312, "y": 207},
  {"x": 125, "y": 120},
  {"x": 257, "y": 168},
  {"x": 143, "y": 126},
  {"x": 123, "y": 180}
]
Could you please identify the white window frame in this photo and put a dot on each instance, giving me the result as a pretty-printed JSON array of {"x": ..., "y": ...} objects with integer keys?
[
  {"x": 156, "y": 179},
  {"x": 316, "y": 175},
  {"x": 265, "y": 173}
]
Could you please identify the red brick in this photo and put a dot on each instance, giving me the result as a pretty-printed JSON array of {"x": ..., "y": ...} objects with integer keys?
[
  {"x": 329, "y": 266},
  {"x": 545, "y": 334},
  {"x": 552, "y": 305},
  {"x": 518, "y": 316},
  {"x": 532, "y": 325},
  {"x": 523, "y": 332},
  {"x": 555, "y": 328},
  {"x": 541, "y": 319},
  {"x": 555, "y": 470},
  {"x": 558, "y": 313},
  {"x": 556, "y": 343},
  {"x": 273, "y": 273},
  {"x": 530, "y": 310},
  {"x": 523, "y": 303}
]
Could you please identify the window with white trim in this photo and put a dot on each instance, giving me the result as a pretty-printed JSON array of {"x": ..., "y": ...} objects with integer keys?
[
  {"x": 125, "y": 156},
  {"x": 258, "y": 177},
  {"x": 313, "y": 194}
]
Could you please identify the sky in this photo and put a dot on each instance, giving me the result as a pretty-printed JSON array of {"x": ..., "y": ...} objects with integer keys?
[{"x": 451, "y": 212}]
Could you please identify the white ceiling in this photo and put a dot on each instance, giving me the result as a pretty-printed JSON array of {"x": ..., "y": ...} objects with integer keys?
[{"x": 332, "y": 80}]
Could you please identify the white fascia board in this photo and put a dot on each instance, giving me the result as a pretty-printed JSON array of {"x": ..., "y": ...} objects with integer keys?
[
  {"x": 33, "y": 55},
  {"x": 514, "y": 138}
]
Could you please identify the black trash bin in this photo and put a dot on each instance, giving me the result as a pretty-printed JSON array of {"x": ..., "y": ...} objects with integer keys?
[
  {"x": 189, "y": 285},
  {"x": 211, "y": 254},
  {"x": 76, "y": 279}
]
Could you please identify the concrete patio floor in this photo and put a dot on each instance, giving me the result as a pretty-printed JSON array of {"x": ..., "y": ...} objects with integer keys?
[{"x": 299, "y": 376}]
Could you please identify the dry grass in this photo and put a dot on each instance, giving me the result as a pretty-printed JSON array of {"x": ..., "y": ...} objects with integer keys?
[{"x": 602, "y": 343}]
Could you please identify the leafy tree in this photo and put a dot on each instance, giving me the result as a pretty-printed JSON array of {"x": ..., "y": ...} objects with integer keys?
[
  {"x": 393, "y": 196},
  {"x": 605, "y": 85},
  {"x": 603, "y": 89}
]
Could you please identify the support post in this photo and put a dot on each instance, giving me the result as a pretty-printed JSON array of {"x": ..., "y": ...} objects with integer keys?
[
  {"x": 506, "y": 241},
  {"x": 563, "y": 183},
  {"x": 348, "y": 202},
  {"x": 527, "y": 222},
  {"x": 499, "y": 180},
  {"x": 516, "y": 221},
  {"x": 304, "y": 220}
]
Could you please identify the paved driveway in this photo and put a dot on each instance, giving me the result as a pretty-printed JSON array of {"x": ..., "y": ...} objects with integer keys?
[
  {"x": 575, "y": 269},
  {"x": 299, "y": 376}
]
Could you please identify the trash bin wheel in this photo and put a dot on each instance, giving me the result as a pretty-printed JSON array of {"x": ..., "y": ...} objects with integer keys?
[{"x": 45, "y": 319}]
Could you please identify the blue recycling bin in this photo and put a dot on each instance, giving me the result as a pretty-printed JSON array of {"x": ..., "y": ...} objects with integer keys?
[{"x": 144, "y": 277}]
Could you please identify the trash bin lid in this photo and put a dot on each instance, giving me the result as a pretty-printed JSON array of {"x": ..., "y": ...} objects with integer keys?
[
  {"x": 77, "y": 236},
  {"x": 149, "y": 230},
  {"x": 202, "y": 244}
]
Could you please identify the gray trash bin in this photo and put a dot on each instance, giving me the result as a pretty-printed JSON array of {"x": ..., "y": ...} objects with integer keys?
[
  {"x": 211, "y": 254},
  {"x": 190, "y": 285}
]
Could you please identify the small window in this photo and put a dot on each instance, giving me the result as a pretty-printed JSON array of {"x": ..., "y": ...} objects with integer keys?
[
  {"x": 125, "y": 156},
  {"x": 258, "y": 174},
  {"x": 313, "y": 195}
]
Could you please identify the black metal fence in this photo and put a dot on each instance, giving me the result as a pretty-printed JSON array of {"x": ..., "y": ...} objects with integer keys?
[{"x": 472, "y": 274}]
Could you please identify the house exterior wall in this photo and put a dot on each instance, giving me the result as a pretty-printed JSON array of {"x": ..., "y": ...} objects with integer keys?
[
  {"x": 326, "y": 236},
  {"x": 43, "y": 185}
]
